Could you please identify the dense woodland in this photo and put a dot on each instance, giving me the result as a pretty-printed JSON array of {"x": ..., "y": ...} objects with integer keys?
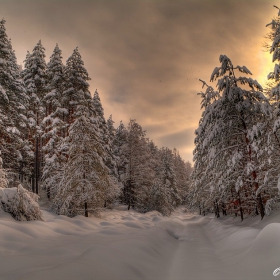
[
  {"x": 237, "y": 144},
  {"x": 55, "y": 139}
]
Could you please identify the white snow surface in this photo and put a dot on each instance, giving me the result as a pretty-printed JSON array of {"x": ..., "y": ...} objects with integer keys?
[{"x": 129, "y": 245}]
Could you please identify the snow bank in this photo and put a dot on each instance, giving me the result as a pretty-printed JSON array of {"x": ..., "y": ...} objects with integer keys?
[
  {"x": 126, "y": 245},
  {"x": 20, "y": 203}
]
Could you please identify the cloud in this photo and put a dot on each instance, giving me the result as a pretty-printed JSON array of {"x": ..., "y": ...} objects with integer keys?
[
  {"x": 178, "y": 139},
  {"x": 145, "y": 57}
]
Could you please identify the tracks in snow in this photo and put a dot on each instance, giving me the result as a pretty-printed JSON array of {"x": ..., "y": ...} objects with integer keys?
[{"x": 195, "y": 257}]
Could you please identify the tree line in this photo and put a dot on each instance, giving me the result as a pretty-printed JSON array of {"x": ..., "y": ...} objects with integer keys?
[
  {"x": 54, "y": 136},
  {"x": 237, "y": 144}
]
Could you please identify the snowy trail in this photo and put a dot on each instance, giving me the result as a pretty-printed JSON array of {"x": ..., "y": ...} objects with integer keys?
[
  {"x": 196, "y": 255},
  {"x": 131, "y": 246}
]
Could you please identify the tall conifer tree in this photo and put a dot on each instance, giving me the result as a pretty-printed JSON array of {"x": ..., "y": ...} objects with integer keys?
[{"x": 35, "y": 80}]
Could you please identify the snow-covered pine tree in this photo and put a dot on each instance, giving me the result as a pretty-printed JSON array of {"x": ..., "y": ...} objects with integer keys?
[
  {"x": 158, "y": 194},
  {"x": 159, "y": 198},
  {"x": 86, "y": 183},
  {"x": 188, "y": 172},
  {"x": 76, "y": 87},
  {"x": 34, "y": 78},
  {"x": 120, "y": 143},
  {"x": 164, "y": 193},
  {"x": 54, "y": 124},
  {"x": 111, "y": 137},
  {"x": 12, "y": 107},
  {"x": 105, "y": 134},
  {"x": 182, "y": 173},
  {"x": 199, "y": 196},
  {"x": 168, "y": 176},
  {"x": 227, "y": 168},
  {"x": 137, "y": 175},
  {"x": 271, "y": 182}
]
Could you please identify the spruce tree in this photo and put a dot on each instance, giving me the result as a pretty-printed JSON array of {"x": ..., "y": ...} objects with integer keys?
[
  {"x": 34, "y": 78},
  {"x": 271, "y": 182},
  {"x": 86, "y": 183},
  {"x": 227, "y": 168},
  {"x": 136, "y": 177},
  {"x": 182, "y": 172},
  {"x": 76, "y": 87},
  {"x": 106, "y": 133},
  {"x": 112, "y": 164},
  {"x": 54, "y": 124},
  {"x": 120, "y": 143},
  {"x": 169, "y": 178},
  {"x": 13, "y": 100}
]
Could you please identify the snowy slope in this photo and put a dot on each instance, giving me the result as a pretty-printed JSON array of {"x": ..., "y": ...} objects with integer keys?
[{"x": 128, "y": 245}]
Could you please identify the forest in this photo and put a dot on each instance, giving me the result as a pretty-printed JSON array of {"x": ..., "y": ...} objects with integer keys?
[
  {"x": 237, "y": 143},
  {"x": 54, "y": 139}
]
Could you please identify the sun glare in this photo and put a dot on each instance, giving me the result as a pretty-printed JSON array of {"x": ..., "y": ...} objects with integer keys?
[{"x": 266, "y": 66}]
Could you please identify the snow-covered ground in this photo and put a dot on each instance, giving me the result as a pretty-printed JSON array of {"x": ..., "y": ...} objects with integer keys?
[{"x": 128, "y": 245}]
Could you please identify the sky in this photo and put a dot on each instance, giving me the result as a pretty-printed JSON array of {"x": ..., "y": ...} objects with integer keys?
[{"x": 145, "y": 57}]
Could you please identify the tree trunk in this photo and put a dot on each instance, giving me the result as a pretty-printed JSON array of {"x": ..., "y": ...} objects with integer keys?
[
  {"x": 235, "y": 212},
  {"x": 217, "y": 210},
  {"x": 37, "y": 167},
  {"x": 257, "y": 212},
  {"x": 33, "y": 182},
  {"x": 128, "y": 195},
  {"x": 259, "y": 198},
  {"x": 224, "y": 209},
  {"x": 86, "y": 210},
  {"x": 240, "y": 207},
  {"x": 261, "y": 205},
  {"x": 48, "y": 193}
]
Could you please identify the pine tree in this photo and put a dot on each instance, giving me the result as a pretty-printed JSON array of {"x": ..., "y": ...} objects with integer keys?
[
  {"x": 169, "y": 178},
  {"x": 12, "y": 106},
  {"x": 227, "y": 168},
  {"x": 120, "y": 143},
  {"x": 271, "y": 182},
  {"x": 106, "y": 134},
  {"x": 86, "y": 184},
  {"x": 34, "y": 78},
  {"x": 76, "y": 87},
  {"x": 182, "y": 171},
  {"x": 112, "y": 164},
  {"x": 136, "y": 177},
  {"x": 159, "y": 198},
  {"x": 54, "y": 124}
]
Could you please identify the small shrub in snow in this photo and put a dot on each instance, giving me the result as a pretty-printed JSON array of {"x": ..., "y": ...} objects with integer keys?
[
  {"x": 20, "y": 203},
  {"x": 269, "y": 206}
]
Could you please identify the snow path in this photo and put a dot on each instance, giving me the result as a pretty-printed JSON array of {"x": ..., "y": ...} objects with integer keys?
[
  {"x": 126, "y": 245},
  {"x": 196, "y": 254}
]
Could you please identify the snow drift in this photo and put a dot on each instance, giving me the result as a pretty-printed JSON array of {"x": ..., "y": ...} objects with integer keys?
[{"x": 126, "y": 245}]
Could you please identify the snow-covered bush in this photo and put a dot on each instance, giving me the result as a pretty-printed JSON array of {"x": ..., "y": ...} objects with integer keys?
[
  {"x": 269, "y": 206},
  {"x": 20, "y": 203}
]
